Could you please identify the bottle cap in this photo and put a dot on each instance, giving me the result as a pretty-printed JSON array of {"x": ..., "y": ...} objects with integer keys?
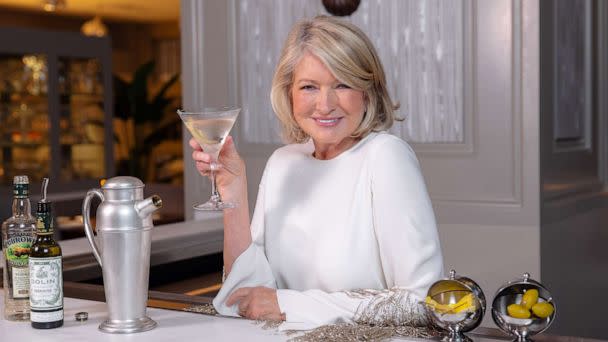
[
  {"x": 81, "y": 316},
  {"x": 21, "y": 179},
  {"x": 21, "y": 186}
]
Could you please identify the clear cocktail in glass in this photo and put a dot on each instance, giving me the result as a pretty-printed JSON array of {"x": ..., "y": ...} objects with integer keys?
[{"x": 210, "y": 128}]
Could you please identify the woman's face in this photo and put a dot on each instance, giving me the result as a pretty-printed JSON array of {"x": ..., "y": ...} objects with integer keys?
[{"x": 326, "y": 109}]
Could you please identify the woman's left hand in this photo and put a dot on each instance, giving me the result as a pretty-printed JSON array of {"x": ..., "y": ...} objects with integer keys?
[{"x": 257, "y": 303}]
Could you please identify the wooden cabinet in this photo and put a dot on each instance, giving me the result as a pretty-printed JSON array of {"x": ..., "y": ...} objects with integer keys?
[{"x": 55, "y": 111}]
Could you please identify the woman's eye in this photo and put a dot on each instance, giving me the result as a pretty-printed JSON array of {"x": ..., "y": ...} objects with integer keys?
[
  {"x": 307, "y": 87},
  {"x": 342, "y": 86}
]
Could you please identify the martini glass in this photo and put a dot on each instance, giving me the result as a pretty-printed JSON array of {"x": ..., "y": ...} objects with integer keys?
[{"x": 210, "y": 128}]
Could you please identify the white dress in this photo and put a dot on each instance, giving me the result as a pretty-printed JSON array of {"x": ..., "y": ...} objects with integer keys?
[{"x": 362, "y": 220}]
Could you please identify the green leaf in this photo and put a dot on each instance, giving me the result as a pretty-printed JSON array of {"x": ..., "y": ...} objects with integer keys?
[
  {"x": 132, "y": 101},
  {"x": 122, "y": 107},
  {"x": 138, "y": 91},
  {"x": 161, "y": 93},
  {"x": 162, "y": 132}
]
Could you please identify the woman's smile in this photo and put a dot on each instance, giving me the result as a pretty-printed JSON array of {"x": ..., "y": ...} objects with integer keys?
[{"x": 327, "y": 122}]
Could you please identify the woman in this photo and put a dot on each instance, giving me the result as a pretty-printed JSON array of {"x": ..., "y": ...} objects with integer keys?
[{"x": 343, "y": 207}]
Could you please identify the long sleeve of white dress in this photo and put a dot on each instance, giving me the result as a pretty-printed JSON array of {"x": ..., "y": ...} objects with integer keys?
[
  {"x": 386, "y": 240},
  {"x": 251, "y": 268}
]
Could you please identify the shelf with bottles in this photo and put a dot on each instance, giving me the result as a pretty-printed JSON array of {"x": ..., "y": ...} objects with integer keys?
[
  {"x": 25, "y": 124},
  {"x": 80, "y": 77},
  {"x": 24, "y": 121},
  {"x": 11, "y": 99},
  {"x": 24, "y": 75},
  {"x": 65, "y": 80}
]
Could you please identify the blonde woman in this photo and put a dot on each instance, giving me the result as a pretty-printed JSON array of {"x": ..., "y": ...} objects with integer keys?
[{"x": 341, "y": 208}]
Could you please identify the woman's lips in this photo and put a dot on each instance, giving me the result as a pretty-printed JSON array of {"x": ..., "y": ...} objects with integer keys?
[{"x": 327, "y": 122}]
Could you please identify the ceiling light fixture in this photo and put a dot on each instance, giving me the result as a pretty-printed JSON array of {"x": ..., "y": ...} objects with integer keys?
[
  {"x": 53, "y": 5},
  {"x": 94, "y": 27}
]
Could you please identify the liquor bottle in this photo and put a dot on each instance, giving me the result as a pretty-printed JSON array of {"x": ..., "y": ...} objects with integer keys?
[
  {"x": 46, "y": 280},
  {"x": 18, "y": 233}
]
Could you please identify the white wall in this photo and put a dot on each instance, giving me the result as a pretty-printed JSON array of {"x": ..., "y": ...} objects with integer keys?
[
  {"x": 491, "y": 254},
  {"x": 486, "y": 192}
]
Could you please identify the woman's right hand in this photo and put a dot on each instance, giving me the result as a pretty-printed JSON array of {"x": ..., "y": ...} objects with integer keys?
[{"x": 230, "y": 169}]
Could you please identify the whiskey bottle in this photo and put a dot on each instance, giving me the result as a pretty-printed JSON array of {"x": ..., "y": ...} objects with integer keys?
[
  {"x": 17, "y": 237},
  {"x": 46, "y": 280}
]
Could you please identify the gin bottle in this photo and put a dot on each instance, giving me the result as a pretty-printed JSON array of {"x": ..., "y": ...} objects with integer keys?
[
  {"x": 17, "y": 237},
  {"x": 46, "y": 271}
]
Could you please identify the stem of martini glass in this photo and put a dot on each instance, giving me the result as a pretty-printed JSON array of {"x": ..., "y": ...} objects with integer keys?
[{"x": 215, "y": 195}]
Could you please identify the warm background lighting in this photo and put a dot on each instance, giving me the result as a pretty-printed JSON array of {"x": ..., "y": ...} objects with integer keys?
[
  {"x": 94, "y": 27},
  {"x": 131, "y": 10},
  {"x": 53, "y": 5}
]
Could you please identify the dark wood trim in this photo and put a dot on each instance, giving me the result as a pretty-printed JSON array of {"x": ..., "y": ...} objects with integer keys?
[{"x": 96, "y": 293}]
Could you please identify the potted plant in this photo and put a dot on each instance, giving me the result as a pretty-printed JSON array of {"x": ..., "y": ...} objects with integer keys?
[{"x": 142, "y": 121}]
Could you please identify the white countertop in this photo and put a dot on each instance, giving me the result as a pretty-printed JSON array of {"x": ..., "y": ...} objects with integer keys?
[{"x": 172, "y": 326}]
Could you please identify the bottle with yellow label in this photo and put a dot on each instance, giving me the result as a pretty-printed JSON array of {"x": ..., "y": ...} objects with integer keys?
[{"x": 46, "y": 279}]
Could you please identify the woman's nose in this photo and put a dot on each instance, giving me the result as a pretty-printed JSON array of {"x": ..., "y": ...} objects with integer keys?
[{"x": 327, "y": 101}]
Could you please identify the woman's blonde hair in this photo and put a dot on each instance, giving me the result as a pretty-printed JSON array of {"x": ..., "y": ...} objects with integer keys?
[{"x": 350, "y": 56}]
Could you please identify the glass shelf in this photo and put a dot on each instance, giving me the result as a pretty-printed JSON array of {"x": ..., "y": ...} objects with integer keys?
[{"x": 24, "y": 97}]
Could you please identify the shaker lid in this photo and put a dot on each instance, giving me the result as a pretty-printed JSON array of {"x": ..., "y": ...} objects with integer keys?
[{"x": 123, "y": 182}]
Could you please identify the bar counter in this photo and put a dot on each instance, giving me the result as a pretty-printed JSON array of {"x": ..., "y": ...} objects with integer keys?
[
  {"x": 174, "y": 324},
  {"x": 169, "y": 243}
]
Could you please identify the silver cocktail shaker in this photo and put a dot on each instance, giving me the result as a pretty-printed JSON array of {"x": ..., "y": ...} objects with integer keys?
[{"x": 124, "y": 233}]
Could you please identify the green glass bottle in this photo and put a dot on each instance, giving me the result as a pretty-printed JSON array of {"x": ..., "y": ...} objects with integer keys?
[{"x": 46, "y": 280}]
